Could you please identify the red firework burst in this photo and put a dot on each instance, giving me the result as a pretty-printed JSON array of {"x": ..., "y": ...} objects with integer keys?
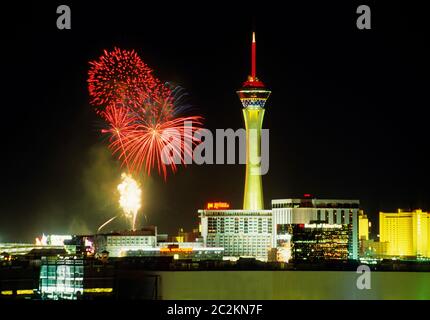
[
  {"x": 145, "y": 132},
  {"x": 120, "y": 76},
  {"x": 149, "y": 136},
  {"x": 162, "y": 145}
]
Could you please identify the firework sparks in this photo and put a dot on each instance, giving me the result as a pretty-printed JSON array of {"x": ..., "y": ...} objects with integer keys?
[
  {"x": 159, "y": 145},
  {"x": 143, "y": 116},
  {"x": 119, "y": 76},
  {"x": 130, "y": 198},
  {"x": 152, "y": 137}
]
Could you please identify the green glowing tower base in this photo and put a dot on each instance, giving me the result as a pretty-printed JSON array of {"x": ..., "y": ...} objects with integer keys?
[{"x": 253, "y": 114}]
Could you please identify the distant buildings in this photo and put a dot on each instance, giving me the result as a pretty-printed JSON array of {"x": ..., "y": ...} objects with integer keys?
[
  {"x": 184, "y": 236},
  {"x": 363, "y": 226},
  {"x": 52, "y": 239},
  {"x": 295, "y": 229},
  {"x": 373, "y": 249},
  {"x": 307, "y": 232},
  {"x": 145, "y": 242},
  {"x": 192, "y": 251},
  {"x": 25, "y": 248},
  {"x": 118, "y": 243},
  {"x": 407, "y": 233},
  {"x": 81, "y": 245}
]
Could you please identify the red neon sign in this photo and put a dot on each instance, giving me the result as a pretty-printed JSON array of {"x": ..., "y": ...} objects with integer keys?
[{"x": 217, "y": 205}]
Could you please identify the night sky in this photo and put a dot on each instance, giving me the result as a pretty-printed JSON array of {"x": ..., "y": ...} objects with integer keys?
[{"x": 347, "y": 115}]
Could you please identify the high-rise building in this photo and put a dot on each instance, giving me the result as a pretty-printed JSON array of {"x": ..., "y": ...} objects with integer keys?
[
  {"x": 407, "y": 233},
  {"x": 319, "y": 241},
  {"x": 363, "y": 226},
  {"x": 302, "y": 211},
  {"x": 253, "y": 96},
  {"x": 282, "y": 248},
  {"x": 242, "y": 233}
]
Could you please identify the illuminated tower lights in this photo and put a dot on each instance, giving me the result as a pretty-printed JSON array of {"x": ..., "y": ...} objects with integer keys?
[{"x": 253, "y": 96}]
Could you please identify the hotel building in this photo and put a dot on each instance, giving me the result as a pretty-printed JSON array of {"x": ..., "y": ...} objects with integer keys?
[
  {"x": 302, "y": 211},
  {"x": 242, "y": 233},
  {"x": 407, "y": 233}
]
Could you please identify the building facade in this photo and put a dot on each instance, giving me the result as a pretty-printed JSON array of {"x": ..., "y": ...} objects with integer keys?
[
  {"x": 302, "y": 211},
  {"x": 242, "y": 233},
  {"x": 118, "y": 243},
  {"x": 363, "y": 226},
  {"x": 68, "y": 278},
  {"x": 181, "y": 250},
  {"x": 320, "y": 241},
  {"x": 407, "y": 233}
]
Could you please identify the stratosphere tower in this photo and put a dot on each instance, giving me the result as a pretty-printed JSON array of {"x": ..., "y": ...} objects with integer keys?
[{"x": 253, "y": 96}]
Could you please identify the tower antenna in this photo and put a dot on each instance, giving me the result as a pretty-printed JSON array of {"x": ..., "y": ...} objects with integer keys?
[
  {"x": 252, "y": 80},
  {"x": 253, "y": 57}
]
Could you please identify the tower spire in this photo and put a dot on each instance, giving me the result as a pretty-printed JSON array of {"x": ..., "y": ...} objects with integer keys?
[
  {"x": 253, "y": 57},
  {"x": 252, "y": 78}
]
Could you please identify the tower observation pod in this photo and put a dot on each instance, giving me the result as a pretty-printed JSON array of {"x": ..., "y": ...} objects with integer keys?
[{"x": 253, "y": 96}]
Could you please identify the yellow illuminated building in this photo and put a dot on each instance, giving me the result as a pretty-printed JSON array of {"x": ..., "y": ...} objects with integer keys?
[
  {"x": 407, "y": 233},
  {"x": 363, "y": 226}
]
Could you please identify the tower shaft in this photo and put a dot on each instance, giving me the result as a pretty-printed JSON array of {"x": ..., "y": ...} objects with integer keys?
[{"x": 253, "y": 193}]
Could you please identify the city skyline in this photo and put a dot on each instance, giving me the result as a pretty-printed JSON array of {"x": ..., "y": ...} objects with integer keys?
[
  {"x": 153, "y": 152},
  {"x": 333, "y": 118}
]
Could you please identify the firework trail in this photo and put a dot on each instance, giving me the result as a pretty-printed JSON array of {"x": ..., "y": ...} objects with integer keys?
[{"x": 106, "y": 223}]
